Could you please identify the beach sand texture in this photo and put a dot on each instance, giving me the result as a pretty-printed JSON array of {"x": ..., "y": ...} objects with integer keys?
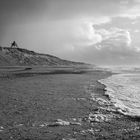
[{"x": 61, "y": 107}]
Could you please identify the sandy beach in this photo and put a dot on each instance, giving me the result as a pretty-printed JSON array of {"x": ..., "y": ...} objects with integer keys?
[{"x": 60, "y": 105}]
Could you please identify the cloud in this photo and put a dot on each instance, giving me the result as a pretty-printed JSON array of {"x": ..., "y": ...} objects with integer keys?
[
  {"x": 130, "y": 9},
  {"x": 137, "y": 31},
  {"x": 84, "y": 34},
  {"x": 132, "y": 13},
  {"x": 80, "y": 32},
  {"x": 110, "y": 51},
  {"x": 103, "y": 46},
  {"x": 124, "y": 2},
  {"x": 84, "y": 28},
  {"x": 137, "y": 1},
  {"x": 64, "y": 9},
  {"x": 114, "y": 48},
  {"x": 111, "y": 54},
  {"x": 116, "y": 34},
  {"x": 74, "y": 33},
  {"x": 56, "y": 35},
  {"x": 87, "y": 35}
]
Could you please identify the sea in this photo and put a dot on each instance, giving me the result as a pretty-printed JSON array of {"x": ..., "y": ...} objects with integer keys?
[{"x": 123, "y": 89}]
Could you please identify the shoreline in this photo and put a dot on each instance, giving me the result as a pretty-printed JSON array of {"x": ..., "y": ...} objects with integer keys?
[
  {"x": 64, "y": 109},
  {"x": 118, "y": 109},
  {"x": 130, "y": 125}
]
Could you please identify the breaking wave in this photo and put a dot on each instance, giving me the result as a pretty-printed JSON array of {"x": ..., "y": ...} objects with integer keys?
[{"x": 124, "y": 92}]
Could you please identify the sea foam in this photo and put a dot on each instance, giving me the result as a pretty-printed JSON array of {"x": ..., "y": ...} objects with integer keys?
[{"x": 124, "y": 92}]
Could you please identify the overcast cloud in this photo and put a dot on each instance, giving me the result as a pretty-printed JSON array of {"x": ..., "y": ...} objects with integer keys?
[{"x": 94, "y": 31}]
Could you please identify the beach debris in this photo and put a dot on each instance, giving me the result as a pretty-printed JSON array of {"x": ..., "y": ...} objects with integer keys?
[
  {"x": 68, "y": 139},
  {"x": 90, "y": 131},
  {"x": 74, "y": 119},
  {"x": 81, "y": 99},
  {"x": 43, "y": 125},
  {"x": 103, "y": 101},
  {"x": 58, "y": 122},
  {"x": 19, "y": 125},
  {"x": 130, "y": 129},
  {"x": 98, "y": 117},
  {"x": 83, "y": 132},
  {"x": 1, "y": 128},
  {"x": 75, "y": 123}
]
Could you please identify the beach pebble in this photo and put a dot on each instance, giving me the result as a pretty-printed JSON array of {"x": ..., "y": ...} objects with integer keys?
[
  {"x": 61, "y": 122},
  {"x": 91, "y": 131},
  {"x": 97, "y": 117},
  {"x": 1, "y": 128},
  {"x": 68, "y": 139},
  {"x": 58, "y": 122},
  {"x": 75, "y": 123}
]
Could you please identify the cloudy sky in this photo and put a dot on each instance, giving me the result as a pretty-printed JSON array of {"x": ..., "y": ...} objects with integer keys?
[{"x": 103, "y": 32}]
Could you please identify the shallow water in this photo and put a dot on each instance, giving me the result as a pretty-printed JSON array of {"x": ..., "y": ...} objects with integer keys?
[{"x": 124, "y": 92}]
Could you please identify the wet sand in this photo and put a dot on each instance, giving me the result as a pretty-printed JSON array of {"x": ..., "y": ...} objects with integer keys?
[{"x": 66, "y": 106}]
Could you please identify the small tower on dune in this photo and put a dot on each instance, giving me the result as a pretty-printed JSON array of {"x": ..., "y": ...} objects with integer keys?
[{"x": 14, "y": 44}]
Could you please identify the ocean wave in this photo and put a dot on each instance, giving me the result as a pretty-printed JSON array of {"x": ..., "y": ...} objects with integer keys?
[{"x": 124, "y": 92}]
